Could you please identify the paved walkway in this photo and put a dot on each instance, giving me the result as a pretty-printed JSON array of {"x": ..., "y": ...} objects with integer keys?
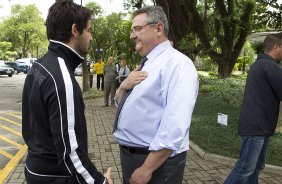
[{"x": 104, "y": 152}]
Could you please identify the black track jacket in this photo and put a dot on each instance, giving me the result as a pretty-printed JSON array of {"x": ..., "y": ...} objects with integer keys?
[
  {"x": 263, "y": 93},
  {"x": 53, "y": 121}
]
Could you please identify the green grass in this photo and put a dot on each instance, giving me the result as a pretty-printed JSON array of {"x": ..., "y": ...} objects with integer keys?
[
  {"x": 92, "y": 93},
  {"x": 224, "y": 140}
]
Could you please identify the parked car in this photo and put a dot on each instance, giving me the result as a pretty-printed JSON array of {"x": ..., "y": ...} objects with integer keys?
[
  {"x": 78, "y": 70},
  {"x": 28, "y": 61},
  {"x": 18, "y": 67},
  {"x": 6, "y": 70}
]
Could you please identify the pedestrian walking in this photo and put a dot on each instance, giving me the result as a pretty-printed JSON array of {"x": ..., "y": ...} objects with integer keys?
[{"x": 259, "y": 112}]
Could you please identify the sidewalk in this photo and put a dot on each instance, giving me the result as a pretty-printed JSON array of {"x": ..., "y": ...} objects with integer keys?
[{"x": 104, "y": 152}]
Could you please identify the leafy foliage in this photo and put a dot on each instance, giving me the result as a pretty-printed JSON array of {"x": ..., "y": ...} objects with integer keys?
[
  {"x": 5, "y": 51},
  {"x": 229, "y": 91},
  {"x": 25, "y": 30},
  {"x": 111, "y": 33},
  {"x": 268, "y": 15}
]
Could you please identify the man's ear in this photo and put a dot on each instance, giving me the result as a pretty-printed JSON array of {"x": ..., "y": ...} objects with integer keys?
[
  {"x": 160, "y": 28},
  {"x": 74, "y": 30}
]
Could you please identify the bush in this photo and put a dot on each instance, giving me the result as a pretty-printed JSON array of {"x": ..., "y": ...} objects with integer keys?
[
  {"x": 228, "y": 90},
  {"x": 224, "y": 140},
  {"x": 207, "y": 88}
]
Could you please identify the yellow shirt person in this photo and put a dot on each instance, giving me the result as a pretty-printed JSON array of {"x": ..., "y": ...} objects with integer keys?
[
  {"x": 99, "y": 67},
  {"x": 99, "y": 70}
]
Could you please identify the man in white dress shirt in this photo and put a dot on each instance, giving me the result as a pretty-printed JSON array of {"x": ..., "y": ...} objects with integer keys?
[{"x": 153, "y": 124}]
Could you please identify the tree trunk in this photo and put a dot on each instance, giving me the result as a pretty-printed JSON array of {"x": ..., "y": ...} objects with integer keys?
[
  {"x": 85, "y": 77},
  {"x": 224, "y": 71},
  {"x": 180, "y": 22},
  {"x": 244, "y": 66},
  {"x": 225, "y": 68}
]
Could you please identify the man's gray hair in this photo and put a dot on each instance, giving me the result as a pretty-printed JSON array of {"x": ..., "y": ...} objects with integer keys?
[{"x": 155, "y": 14}]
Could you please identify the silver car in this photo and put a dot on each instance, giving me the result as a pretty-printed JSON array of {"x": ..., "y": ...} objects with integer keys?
[
  {"x": 6, "y": 70},
  {"x": 78, "y": 70}
]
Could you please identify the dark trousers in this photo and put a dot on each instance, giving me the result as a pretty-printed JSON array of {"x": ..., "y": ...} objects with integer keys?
[
  {"x": 90, "y": 80},
  {"x": 170, "y": 172},
  {"x": 34, "y": 179},
  {"x": 100, "y": 77},
  {"x": 117, "y": 84}
]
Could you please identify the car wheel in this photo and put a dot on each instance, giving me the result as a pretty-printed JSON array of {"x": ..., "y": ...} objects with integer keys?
[{"x": 10, "y": 75}]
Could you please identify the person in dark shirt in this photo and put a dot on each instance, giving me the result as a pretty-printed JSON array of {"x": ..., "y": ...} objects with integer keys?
[{"x": 259, "y": 112}]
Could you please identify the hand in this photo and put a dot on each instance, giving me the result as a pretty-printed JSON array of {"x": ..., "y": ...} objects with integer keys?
[
  {"x": 117, "y": 77},
  {"x": 134, "y": 78},
  {"x": 140, "y": 176},
  {"x": 108, "y": 175}
]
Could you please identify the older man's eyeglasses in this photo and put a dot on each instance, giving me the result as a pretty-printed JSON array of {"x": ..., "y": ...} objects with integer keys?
[{"x": 137, "y": 29}]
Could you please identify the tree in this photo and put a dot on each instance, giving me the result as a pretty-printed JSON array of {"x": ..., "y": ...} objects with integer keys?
[
  {"x": 222, "y": 35},
  {"x": 268, "y": 15},
  {"x": 96, "y": 10},
  {"x": 5, "y": 51},
  {"x": 25, "y": 29},
  {"x": 247, "y": 57},
  {"x": 221, "y": 27}
]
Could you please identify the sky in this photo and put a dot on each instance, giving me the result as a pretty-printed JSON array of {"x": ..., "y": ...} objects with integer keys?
[
  {"x": 43, "y": 5},
  {"x": 109, "y": 6}
]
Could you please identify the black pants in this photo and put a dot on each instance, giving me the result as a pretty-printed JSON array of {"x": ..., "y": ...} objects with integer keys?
[
  {"x": 90, "y": 80},
  {"x": 170, "y": 172},
  {"x": 117, "y": 84},
  {"x": 100, "y": 76},
  {"x": 34, "y": 179}
]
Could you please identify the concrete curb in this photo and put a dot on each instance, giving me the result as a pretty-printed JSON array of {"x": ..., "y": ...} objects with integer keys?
[{"x": 229, "y": 161}]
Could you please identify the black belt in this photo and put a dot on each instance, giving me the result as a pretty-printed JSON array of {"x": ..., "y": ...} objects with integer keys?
[{"x": 134, "y": 150}]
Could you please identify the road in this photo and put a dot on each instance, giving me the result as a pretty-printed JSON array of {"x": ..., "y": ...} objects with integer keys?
[
  {"x": 11, "y": 92},
  {"x": 12, "y": 146}
]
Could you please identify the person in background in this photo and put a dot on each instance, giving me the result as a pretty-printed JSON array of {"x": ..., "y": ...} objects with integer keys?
[
  {"x": 53, "y": 120},
  {"x": 123, "y": 71},
  {"x": 259, "y": 112},
  {"x": 90, "y": 70},
  {"x": 110, "y": 81},
  {"x": 152, "y": 123},
  {"x": 117, "y": 64},
  {"x": 99, "y": 68}
]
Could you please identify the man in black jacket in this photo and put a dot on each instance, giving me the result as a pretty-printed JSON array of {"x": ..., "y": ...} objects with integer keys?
[
  {"x": 259, "y": 112},
  {"x": 54, "y": 126}
]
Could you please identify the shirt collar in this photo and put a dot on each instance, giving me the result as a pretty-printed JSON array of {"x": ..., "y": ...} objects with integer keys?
[{"x": 158, "y": 50}]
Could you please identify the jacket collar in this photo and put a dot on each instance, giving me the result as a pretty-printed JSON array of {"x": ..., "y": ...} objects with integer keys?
[
  {"x": 266, "y": 56},
  {"x": 71, "y": 57}
]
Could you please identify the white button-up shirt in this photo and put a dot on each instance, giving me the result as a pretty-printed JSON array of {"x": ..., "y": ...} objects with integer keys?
[{"x": 157, "y": 114}]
